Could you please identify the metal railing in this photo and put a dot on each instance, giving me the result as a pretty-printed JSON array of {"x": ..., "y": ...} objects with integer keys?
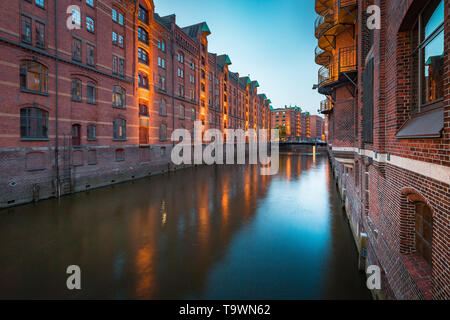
[
  {"x": 323, "y": 23},
  {"x": 345, "y": 62},
  {"x": 325, "y": 106}
]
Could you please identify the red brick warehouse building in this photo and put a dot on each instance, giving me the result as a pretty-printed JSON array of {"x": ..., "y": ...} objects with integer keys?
[
  {"x": 388, "y": 132},
  {"x": 95, "y": 101}
]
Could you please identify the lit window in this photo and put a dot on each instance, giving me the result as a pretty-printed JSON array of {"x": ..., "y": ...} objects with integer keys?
[
  {"x": 90, "y": 24},
  {"x": 33, "y": 76}
]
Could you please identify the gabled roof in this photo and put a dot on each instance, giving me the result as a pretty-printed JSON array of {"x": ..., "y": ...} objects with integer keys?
[
  {"x": 196, "y": 29},
  {"x": 223, "y": 60},
  {"x": 166, "y": 20}
]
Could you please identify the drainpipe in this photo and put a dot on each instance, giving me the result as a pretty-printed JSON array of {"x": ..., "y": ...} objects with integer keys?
[
  {"x": 56, "y": 103},
  {"x": 173, "y": 87}
]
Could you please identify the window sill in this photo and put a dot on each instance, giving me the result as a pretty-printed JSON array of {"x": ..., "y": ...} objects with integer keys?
[
  {"x": 92, "y": 103},
  {"x": 120, "y": 140},
  {"x": 34, "y": 139},
  {"x": 122, "y": 108},
  {"x": 427, "y": 125},
  {"x": 76, "y": 100},
  {"x": 35, "y": 169},
  {"x": 35, "y": 92}
]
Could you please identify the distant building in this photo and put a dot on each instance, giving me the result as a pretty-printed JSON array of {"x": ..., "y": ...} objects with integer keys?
[{"x": 296, "y": 122}]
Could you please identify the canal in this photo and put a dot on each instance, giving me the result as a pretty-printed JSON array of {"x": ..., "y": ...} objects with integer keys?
[{"x": 219, "y": 232}]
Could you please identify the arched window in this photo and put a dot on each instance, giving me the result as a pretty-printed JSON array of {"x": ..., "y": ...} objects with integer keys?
[
  {"x": 143, "y": 56},
  {"x": 118, "y": 97},
  {"x": 76, "y": 90},
  {"x": 33, "y": 76},
  {"x": 424, "y": 230},
  {"x": 162, "y": 132},
  {"x": 142, "y": 35},
  {"x": 33, "y": 123},
  {"x": 162, "y": 108},
  {"x": 143, "y": 80}
]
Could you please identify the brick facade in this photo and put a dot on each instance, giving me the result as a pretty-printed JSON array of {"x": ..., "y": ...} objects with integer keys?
[
  {"x": 96, "y": 104},
  {"x": 385, "y": 178}
]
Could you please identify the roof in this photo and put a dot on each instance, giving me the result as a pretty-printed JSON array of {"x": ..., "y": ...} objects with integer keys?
[
  {"x": 194, "y": 30},
  {"x": 223, "y": 60},
  {"x": 166, "y": 20}
]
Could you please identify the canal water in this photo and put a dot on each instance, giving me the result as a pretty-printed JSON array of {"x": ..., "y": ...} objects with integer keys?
[{"x": 218, "y": 232}]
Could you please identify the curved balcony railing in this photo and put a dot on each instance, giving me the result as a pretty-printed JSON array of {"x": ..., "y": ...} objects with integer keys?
[
  {"x": 326, "y": 106},
  {"x": 323, "y": 23},
  {"x": 322, "y": 56},
  {"x": 344, "y": 62}
]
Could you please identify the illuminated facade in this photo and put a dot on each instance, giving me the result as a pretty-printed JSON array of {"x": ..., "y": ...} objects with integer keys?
[
  {"x": 296, "y": 122},
  {"x": 99, "y": 105}
]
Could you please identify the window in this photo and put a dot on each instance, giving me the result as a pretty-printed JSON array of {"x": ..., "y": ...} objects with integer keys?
[
  {"x": 429, "y": 56},
  {"x": 76, "y": 135},
  {"x": 90, "y": 60},
  {"x": 162, "y": 132},
  {"x": 76, "y": 90},
  {"x": 143, "y": 80},
  {"x": 193, "y": 114},
  {"x": 114, "y": 15},
  {"x": 33, "y": 123},
  {"x": 120, "y": 155},
  {"x": 119, "y": 129},
  {"x": 40, "y": 3},
  {"x": 90, "y": 25},
  {"x": 76, "y": 49},
  {"x": 182, "y": 112},
  {"x": 143, "y": 15},
  {"x": 180, "y": 73},
  {"x": 121, "y": 43},
  {"x": 143, "y": 56},
  {"x": 143, "y": 109},
  {"x": 143, "y": 134},
  {"x": 181, "y": 90},
  {"x": 161, "y": 63},
  {"x": 91, "y": 93},
  {"x": 180, "y": 58},
  {"x": 33, "y": 76},
  {"x": 121, "y": 67},
  {"x": 162, "y": 82},
  {"x": 118, "y": 97},
  {"x": 142, "y": 35},
  {"x": 162, "y": 108},
  {"x": 193, "y": 65},
  {"x": 76, "y": 17},
  {"x": 40, "y": 34},
  {"x": 114, "y": 38},
  {"x": 192, "y": 79},
  {"x": 90, "y": 2},
  {"x": 424, "y": 230},
  {"x": 161, "y": 45},
  {"x": 26, "y": 29},
  {"x": 91, "y": 133},
  {"x": 121, "y": 19}
]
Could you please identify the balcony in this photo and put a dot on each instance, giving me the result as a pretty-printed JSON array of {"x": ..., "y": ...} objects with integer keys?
[
  {"x": 340, "y": 70},
  {"x": 326, "y": 106},
  {"x": 322, "y": 5},
  {"x": 334, "y": 19},
  {"x": 322, "y": 57}
]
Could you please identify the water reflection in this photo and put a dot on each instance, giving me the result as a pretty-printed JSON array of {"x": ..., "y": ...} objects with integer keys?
[{"x": 208, "y": 232}]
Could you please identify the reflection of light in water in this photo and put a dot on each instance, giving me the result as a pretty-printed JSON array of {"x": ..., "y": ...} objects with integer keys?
[
  {"x": 225, "y": 202},
  {"x": 314, "y": 154},
  {"x": 163, "y": 213},
  {"x": 145, "y": 285},
  {"x": 203, "y": 216},
  {"x": 288, "y": 169}
]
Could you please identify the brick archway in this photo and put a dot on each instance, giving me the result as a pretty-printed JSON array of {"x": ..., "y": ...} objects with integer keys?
[{"x": 409, "y": 198}]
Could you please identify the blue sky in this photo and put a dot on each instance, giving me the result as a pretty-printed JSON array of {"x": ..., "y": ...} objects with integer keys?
[{"x": 272, "y": 40}]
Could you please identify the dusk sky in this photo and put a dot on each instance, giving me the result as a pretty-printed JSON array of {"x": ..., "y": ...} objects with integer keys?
[{"x": 270, "y": 40}]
